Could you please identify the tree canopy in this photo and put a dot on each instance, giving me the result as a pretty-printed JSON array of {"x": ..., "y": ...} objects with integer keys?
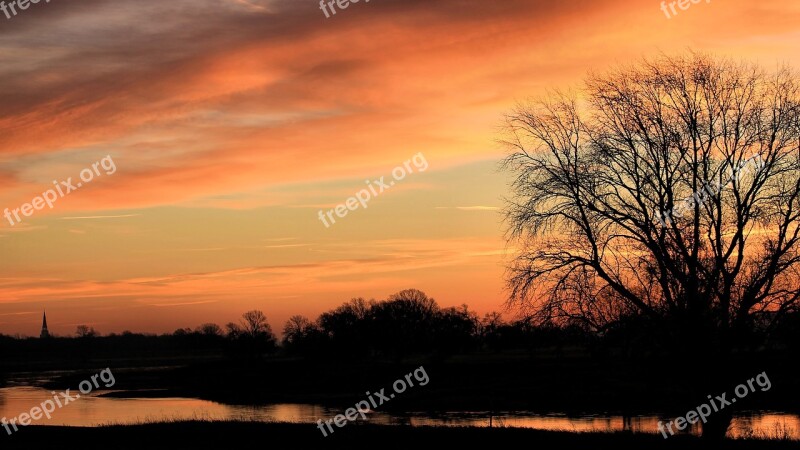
[{"x": 667, "y": 189}]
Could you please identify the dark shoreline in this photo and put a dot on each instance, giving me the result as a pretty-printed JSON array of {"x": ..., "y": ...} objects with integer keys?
[
  {"x": 227, "y": 435},
  {"x": 573, "y": 386}
]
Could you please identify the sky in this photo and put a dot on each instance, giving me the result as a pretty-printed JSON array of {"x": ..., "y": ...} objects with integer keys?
[{"x": 231, "y": 124}]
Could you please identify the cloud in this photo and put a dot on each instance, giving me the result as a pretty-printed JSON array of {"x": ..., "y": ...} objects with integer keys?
[
  {"x": 100, "y": 217},
  {"x": 258, "y": 107},
  {"x": 161, "y": 305},
  {"x": 242, "y": 101}
]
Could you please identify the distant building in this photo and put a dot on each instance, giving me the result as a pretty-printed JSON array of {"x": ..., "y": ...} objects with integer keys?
[{"x": 45, "y": 333}]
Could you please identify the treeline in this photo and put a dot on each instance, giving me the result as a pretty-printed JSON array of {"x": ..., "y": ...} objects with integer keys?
[
  {"x": 407, "y": 323},
  {"x": 410, "y": 322}
]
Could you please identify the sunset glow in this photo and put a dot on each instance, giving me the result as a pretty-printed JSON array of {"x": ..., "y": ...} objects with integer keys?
[{"x": 234, "y": 122}]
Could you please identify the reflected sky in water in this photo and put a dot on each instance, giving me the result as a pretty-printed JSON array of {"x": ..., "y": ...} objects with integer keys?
[{"x": 91, "y": 410}]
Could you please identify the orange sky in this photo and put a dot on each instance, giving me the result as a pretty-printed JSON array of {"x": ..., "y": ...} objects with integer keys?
[{"x": 232, "y": 123}]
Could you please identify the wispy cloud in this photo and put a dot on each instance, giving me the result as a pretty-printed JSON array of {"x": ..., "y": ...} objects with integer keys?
[
  {"x": 21, "y": 313},
  {"x": 100, "y": 217},
  {"x": 225, "y": 139},
  {"x": 161, "y": 305}
]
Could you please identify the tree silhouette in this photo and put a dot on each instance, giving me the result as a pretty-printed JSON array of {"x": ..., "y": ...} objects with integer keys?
[
  {"x": 405, "y": 322},
  {"x": 254, "y": 333},
  {"x": 254, "y": 324},
  {"x": 347, "y": 327},
  {"x": 209, "y": 329},
  {"x": 233, "y": 331},
  {"x": 668, "y": 189},
  {"x": 85, "y": 331},
  {"x": 295, "y": 328}
]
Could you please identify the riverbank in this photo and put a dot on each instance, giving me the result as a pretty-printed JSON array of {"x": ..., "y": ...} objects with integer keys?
[
  {"x": 473, "y": 383},
  {"x": 224, "y": 435}
]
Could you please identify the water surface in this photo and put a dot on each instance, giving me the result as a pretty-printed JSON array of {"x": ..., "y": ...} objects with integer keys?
[{"x": 91, "y": 410}]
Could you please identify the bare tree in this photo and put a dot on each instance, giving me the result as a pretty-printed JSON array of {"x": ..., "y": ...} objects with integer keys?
[
  {"x": 254, "y": 324},
  {"x": 233, "y": 330},
  {"x": 85, "y": 331},
  {"x": 209, "y": 329},
  {"x": 415, "y": 300},
  {"x": 491, "y": 322},
  {"x": 295, "y": 329},
  {"x": 668, "y": 189}
]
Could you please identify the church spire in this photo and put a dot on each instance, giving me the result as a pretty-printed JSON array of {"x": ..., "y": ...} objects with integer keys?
[{"x": 45, "y": 333}]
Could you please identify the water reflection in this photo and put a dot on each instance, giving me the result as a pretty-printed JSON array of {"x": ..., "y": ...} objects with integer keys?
[
  {"x": 766, "y": 425},
  {"x": 91, "y": 410}
]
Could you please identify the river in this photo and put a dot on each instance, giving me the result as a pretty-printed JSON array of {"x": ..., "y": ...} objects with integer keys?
[{"x": 93, "y": 410}]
